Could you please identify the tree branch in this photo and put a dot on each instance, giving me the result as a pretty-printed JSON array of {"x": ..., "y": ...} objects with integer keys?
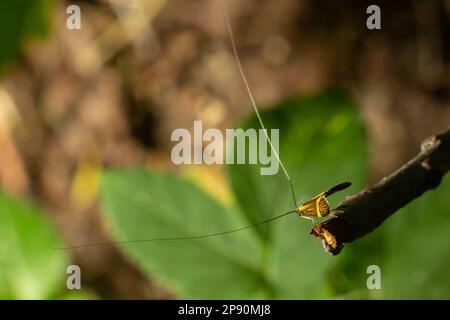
[{"x": 361, "y": 213}]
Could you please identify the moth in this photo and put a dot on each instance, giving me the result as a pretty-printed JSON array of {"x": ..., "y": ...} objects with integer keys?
[{"x": 318, "y": 206}]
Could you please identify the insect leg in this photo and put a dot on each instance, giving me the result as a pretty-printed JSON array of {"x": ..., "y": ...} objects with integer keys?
[{"x": 309, "y": 218}]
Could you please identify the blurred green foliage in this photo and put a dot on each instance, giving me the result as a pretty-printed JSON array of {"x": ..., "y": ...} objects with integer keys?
[
  {"x": 322, "y": 143},
  {"x": 416, "y": 248},
  {"x": 21, "y": 20},
  {"x": 412, "y": 249},
  {"x": 141, "y": 205},
  {"x": 30, "y": 267}
]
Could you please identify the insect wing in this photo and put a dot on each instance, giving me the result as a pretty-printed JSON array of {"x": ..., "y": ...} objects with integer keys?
[
  {"x": 339, "y": 187},
  {"x": 308, "y": 208},
  {"x": 323, "y": 208}
]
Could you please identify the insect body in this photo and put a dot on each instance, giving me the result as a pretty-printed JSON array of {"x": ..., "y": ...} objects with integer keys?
[{"x": 319, "y": 206}]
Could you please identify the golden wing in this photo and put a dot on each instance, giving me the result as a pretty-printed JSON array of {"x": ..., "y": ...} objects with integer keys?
[
  {"x": 316, "y": 207},
  {"x": 319, "y": 206},
  {"x": 308, "y": 208},
  {"x": 322, "y": 207}
]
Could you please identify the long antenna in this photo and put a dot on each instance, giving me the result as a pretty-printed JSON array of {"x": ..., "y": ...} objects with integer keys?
[
  {"x": 176, "y": 238},
  {"x": 252, "y": 99},
  {"x": 241, "y": 71}
]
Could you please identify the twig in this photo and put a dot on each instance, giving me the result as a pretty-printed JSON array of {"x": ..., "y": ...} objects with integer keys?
[{"x": 361, "y": 213}]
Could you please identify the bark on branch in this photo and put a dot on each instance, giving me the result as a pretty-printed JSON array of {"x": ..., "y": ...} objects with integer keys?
[{"x": 361, "y": 213}]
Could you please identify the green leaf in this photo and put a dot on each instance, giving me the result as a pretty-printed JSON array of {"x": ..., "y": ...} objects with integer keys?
[
  {"x": 30, "y": 266},
  {"x": 417, "y": 248},
  {"x": 142, "y": 205},
  {"x": 411, "y": 248},
  {"x": 322, "y": 144},
  {"x": 19, "y": 21}
]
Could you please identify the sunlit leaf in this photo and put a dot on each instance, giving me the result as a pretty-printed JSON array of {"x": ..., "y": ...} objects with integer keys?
[
  {"x": 143, "y": 205},
  {"x": 279, "y": 261},
  {"x": 322, "y": 143},
  {"x": 31, "y": 268}
]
